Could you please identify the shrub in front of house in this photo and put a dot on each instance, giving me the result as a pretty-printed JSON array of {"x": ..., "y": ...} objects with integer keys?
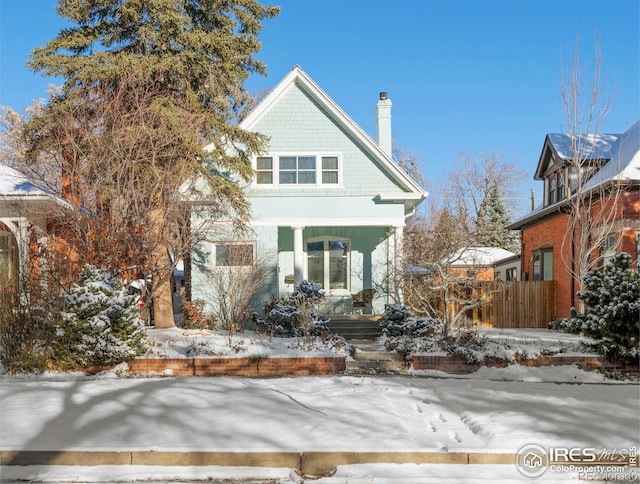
[
  {"x": 100, "y": 325},
  {"x": 612, "y": 310},
  {"x": 195, "y": 315},
  {"x": 24, "y": 330},
  {"x": 406, "y": 334},
  {"x": 294, "y": 315}
]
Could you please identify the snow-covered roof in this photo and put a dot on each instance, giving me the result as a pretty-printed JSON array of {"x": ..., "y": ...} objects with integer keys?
[
  {"x": 590, "y": 147},
  {"x": 624, "y": 159},
  {"x": 622, "y": 152},
  {"x": 479, "y": 256},
  {"x": 16, "y": 185}
]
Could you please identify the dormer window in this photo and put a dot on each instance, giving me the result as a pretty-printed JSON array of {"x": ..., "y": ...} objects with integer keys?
[
  {"x": 556, "y": 187},
  {"x": 552, "y": 190},
  {"x": 309, "y": 169}
]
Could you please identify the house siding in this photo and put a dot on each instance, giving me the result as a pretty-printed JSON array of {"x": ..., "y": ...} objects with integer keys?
[
  {"x": 297, "y": 124},
  {"x": 367, "y": 206}
]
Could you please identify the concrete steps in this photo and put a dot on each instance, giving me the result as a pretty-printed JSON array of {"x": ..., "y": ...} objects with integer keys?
[
  {"x": 366, "y": 361},
  {"x": 355, "y": 328}
]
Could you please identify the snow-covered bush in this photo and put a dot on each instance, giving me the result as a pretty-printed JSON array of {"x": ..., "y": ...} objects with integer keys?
[
  {"x": 296, "y": 314},
  {"x": 612, "y": 314},
  {"x": 100, "y": 325},
  {"x": 407, "y": 334}
]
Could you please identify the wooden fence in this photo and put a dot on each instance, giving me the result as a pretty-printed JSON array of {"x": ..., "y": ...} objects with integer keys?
[{"x": 526, "y": 304}]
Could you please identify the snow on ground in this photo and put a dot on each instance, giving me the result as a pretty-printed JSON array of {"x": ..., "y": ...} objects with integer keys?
[
  {"x": 341, "y": 413},
  {"x": 350, "y": 474},
  {"x": 183, "y": 343},
  {"x": 491, "y": 410},
  {"x": 313, "y": 414}
]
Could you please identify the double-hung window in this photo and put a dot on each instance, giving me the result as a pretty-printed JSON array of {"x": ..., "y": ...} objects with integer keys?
[
  {"x": 609, "y": 249},
  {"x": 328, "y": 263},
  {"x": 234, "y": 254},
  {"x": 543, "y": 265},
  {"x": 292, "y": 170},
  {"x": 264, "y": 170},
  {"x": 297, "y": 170}
]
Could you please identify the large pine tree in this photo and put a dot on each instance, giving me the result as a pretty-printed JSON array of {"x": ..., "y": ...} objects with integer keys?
[
  {"x": 147, "y": 84},
  {"x": 493, "y": 218}
]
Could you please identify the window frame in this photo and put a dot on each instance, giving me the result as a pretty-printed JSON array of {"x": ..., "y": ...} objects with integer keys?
[
  {"x": 319, "y": 170},
  {"x": 326, "y": 240},
  {"x": 609, "y": 248},
  {"x": 539, "y": 256},
  {"x": 217, "y": 244}
]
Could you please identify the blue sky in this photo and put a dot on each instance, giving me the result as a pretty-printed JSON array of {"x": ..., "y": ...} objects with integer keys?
[{"x": 474, "y": 76}]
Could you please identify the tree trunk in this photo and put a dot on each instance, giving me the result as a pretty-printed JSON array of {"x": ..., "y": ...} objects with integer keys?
[{"x": 163, "y": 304}]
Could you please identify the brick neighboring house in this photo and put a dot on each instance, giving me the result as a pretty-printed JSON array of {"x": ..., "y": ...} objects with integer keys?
[
  {"x": 25, "y": 215},
  {"x": 615, "y": 159}
]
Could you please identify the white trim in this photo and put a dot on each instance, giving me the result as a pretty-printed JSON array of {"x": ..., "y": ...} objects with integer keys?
[
  {"x": 214, "y": 256},
  {"x": 298, "y": 77},
  {"x": 328, "y": 222},
  {"x": 393, "y": 197},
  {"x": 325, "y": 239},
  {"x": 275, "y": 155}
]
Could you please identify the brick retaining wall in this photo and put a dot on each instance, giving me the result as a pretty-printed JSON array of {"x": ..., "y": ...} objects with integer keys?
[
  {"x": 250, "y": 366},
  {"x": 459, "y": 365}
]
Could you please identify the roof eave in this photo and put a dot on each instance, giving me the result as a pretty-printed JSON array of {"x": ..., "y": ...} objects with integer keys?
[{"x": 297, "y": 75}]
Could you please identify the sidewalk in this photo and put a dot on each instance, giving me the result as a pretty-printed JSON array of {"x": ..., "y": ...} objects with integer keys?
[{"x": 310, "y": 424}]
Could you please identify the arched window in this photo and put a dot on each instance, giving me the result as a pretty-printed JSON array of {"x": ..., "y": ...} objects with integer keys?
[{"x": 329, "y": 263}]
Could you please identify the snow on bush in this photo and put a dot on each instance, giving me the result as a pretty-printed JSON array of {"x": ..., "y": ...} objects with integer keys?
[
  {"x": 100, "y": 324},
  {"x": 408, "y": 335},
  {"x": 296, "y": 314},
  {"x": 404, "y": 333},
  {"x": 612, "y": 314}
]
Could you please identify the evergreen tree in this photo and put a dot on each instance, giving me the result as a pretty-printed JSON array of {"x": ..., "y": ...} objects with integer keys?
[
  {"x": 147, "y": 84},
  {"x": 612, "y": 314},
  {"x": 101, "y": 323},
  {"x": 493, "y": 218}
]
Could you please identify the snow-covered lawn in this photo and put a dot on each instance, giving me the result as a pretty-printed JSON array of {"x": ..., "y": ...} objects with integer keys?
[
  {"x": 183, "y": 343},
  {"x": 338, "y": 413},
  {"x": 496, "y": 410}
]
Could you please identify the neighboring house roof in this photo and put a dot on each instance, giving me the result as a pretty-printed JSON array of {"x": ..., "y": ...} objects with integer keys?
[
  {"x": 413, "y": 194},
  {"x": 621, "y": 153},
  {"x": 414, "y": 269},
  {"x": 479, "y": 256},
  {"x": 15, "y": 185},
  {"x": 589, "y": 147}
]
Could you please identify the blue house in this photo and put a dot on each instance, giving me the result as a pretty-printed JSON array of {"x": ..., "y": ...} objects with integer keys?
[{"x": 328, "y": 203}]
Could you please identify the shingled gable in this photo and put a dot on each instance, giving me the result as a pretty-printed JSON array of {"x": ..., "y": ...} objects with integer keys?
[{"x": 413, "y": 193}]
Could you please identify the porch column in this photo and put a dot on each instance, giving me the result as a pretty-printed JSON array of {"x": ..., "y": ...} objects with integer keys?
[
  {"x": 395, "y": 268},
  {"x": 398, "y": 260},
  {"x": 298, "y": 256}
]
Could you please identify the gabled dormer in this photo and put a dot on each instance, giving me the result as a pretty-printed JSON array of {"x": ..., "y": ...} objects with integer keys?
[{"x": 568, "y": 162}]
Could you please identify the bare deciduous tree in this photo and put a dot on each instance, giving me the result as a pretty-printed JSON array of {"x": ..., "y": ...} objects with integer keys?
[
  {"x": 593, "y": 200},
  {"x": 230, "y": 287},
  {"x": 471, "y": 183}
]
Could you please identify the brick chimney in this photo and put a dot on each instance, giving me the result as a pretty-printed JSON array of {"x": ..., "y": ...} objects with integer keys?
[{"x": 383, "y": 121}]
